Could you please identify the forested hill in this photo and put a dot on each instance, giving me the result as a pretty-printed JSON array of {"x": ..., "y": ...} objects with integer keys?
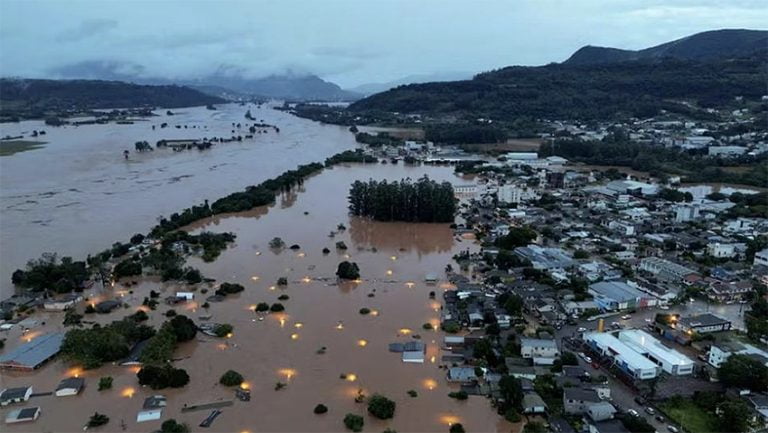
[
  {"x": 596, "y": 91},
  {"x": 27, "y": 97},
  {"x": 712, "y": 45}
]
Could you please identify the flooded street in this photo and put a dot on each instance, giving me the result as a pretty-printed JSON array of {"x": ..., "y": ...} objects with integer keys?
[
  {"x": 78, "y": 195},
  {"x": 284, "y": 347}
]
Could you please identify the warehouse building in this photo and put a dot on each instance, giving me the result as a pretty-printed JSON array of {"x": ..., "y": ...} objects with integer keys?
[
  {"x": 618, "y": 295},
  {"x": 670, "y": 360},
  {"x": 624, "y": 356}
]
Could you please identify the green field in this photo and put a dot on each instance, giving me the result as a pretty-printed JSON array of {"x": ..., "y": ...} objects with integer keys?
[
  {"x": 11, "y": 147},
  {"x": 691, "y": 417}
]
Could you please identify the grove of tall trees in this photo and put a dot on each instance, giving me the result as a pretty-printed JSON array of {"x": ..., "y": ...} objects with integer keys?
[{"x": 422, "y": 201}]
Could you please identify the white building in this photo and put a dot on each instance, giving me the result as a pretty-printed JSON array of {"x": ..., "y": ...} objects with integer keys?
[
  {"x": 62, "y": 303},
  {"x": 664, "y": 268},
  {"x": 726, "y": 150},
  {"x": 716, "y": 249},
  {"x": 516, "y": 194},
  {"x": 685, "y": 213},
  {"x": 625, "y": 357},
  {"x": 671, "y": 361},
  {"x": 521, "y": 156},
  {"x": 622, "y": 227},
  {"x": 720, "y": 352},
  {"x": 543, "y": 352}
]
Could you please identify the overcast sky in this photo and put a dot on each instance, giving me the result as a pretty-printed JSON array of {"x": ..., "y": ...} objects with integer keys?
[{"x": 349, "y": 42}]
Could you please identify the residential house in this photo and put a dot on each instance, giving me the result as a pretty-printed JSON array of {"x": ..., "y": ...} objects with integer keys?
[
  {"x": 15, "y": 395},
  {"x": 533, "y": 403},
  {"x": 541, "y": 351},
  {"x": 26, "y": 414},
  {"x": 703, "y": 324},
  {"x": 70, "y": 386}
]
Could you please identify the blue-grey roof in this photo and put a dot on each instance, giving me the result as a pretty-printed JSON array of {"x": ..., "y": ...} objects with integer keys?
[
  {"x": 616, "y": 290},
  {"x": 34, "y": 353}
]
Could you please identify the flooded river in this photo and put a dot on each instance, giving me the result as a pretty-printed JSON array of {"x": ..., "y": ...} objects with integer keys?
[
  {"x": 78, "y": 195},
  {"x": 393, "y": 258}
]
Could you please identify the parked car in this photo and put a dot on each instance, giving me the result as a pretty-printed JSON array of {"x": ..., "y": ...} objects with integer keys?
[
  {"x": 649, "y": 410},
  {"x": 664, "y": 307},
  {"x": 672, "y": 429},
  {"x": 586, "y": 358},
  {"x": 626, "y": 317},
  {"x": 640, "y": 400},
  {"x": 632, "y": 412},
  {"x": 581, "y": 329},
  {"x": 659, "y": 418}
]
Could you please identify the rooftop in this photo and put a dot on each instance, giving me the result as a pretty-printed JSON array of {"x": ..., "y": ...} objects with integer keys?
[
  {"x": 538, "y": 342},
  {"x": 616, "y": 290},
  {"x": 644, "y": 342},
  {"x": 34, "y": 353},
  {"x": 706, "y": 319},
  {"x": 634, "y": 359}
]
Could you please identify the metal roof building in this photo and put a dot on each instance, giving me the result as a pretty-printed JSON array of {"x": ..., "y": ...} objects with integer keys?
[
  {"x": 671, "y": 361},
  {"x": 618, "y": 295},
  {"x": 32, "y": 355},
  {"x": 625, "y": 357}
]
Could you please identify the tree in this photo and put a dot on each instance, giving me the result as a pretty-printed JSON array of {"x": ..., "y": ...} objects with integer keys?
[
  {"x": 276, "y": 243},
  {"x": 183, "y": 328},
  {"x": 231, "y": 378},
  {"x": 517, "y": 237},
  {"x": 160, "y": 377},
  {"x": 97, "y": 420},
  {"x": 568, "y": 358},
  {"x": 534, "y": 427},
  {"x": 381, "y": 407},
  {"x": 581, "y": 254},
  {"x": 320, "y": 409},
  {"x": 456, "y": 428},
  {"x": 422, "y": 201},
  {"x": 223, "y": 329},
  {"x": 72, "y": 318},
  {"x": 348, "y": 271},
  {"x": 277, "y": 307},
  {"x": 734, "y": 416},
  {"x": 743, "y": 372},
  {"x": 459, "y": 395},
  {"x": 511, "y": 391},
  {"x": 172, "y": 426},
  {"x": 105, "y": 383},
  {"x": 354, "y": 422}
]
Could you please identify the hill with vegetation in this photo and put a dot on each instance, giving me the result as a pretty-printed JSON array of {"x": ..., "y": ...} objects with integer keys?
[
  {"x": 588, "y": 90},
  {"x": 716, "y": 44},
  {"x": 27, "y": 98}
]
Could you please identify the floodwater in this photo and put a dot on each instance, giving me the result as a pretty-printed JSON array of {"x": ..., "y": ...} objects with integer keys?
[
  {"x": 78, "y": 195},
  {"x": 393, "y": 258}
]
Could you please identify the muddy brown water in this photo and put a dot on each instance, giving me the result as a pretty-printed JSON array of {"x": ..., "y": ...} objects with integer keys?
[
  {"x": 394, "y": 259},
  {"x": 78, "y": 195}
]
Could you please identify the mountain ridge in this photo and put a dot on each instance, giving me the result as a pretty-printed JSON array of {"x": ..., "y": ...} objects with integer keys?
[{"x": 709, "y": 45}]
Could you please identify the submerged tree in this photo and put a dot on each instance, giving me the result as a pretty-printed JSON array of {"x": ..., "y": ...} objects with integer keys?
[{"x": 422, "y": 201}]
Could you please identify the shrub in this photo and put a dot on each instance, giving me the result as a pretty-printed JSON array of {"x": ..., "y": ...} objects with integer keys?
[
  {"x": 171, "y": 426},
  {"x": 459, "y": 395},
  {"x": 340, "y": 245},
  {"x": 105, "y": 383},
  {"x": 183, "y": 328},
  {"x": 413, "y": 393},
  {"x": 277, "y": 307},
  {"x": 97, "y": 419},
  {"x": 170, "y": 313},
  {"x": 276, "y": 243},
  {"x": 512, "y": 415},
  {"x": 139, "y": 316},
  {"x": 262, "y": 306},
  {"x": 320, "y": 409},
  {"x": 229, "y": 289},
  {"x": 456, "y": 428},
  {"x": 365, "y": 311},
  {"x": 354, "y": 422},
  {"x": 90, "y": 309},
  {"x": 282, "y": 281},
  {"x": 451, "y": 327},
  {"x": 283, "y": 297},
  {"x": 223, "y": 330},
  {"x": 162, "y": 377},
  {"x": 348, "y": 271},
  {"x": 427, "y": 326},
  {"x": 381, "y": 407},
  {"x": 231, "y": 378},
  {"x": 326, "y": 251}
]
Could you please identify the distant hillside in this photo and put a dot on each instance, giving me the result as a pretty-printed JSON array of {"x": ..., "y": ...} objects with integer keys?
[
  {"x": 371, "y": 88},
  {"x": 291, "y": 87},
  {"x": 571, "y": 90},
  {"x": 716, "y": 44},
  {"x": 35, "y": 98}
]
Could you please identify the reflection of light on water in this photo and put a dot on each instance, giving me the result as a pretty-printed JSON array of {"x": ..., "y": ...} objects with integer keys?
[
  {"x": 221, "y": 346},
  {"x": 351, "y": 377},
  {"x": 374, "y": 313},
  {"x": 410, "y": 284},
  {"x": 404, "y": 331},
  {"x": 192, "y": 306},
  {"x": 143, "y": 308},
  {"x": 29, "y": 336},
  {"x": 429, "y": 384},
  {"x": 347, "y": 256},
  {"x": 294, "y": 336},
  {"x": 288, "y": 373},
  {"x": 393, "y": 258},
  {"x": 230, "y": 335},
  {"x": 435, "y": 324},
  {"x": 128, "y": 392},
  {"x": 272, "y": 288},
  {"x": 432, "y": 359},
  {"x": 362, "y": 343},
  {"x": 435, "y": 306},
  {"x": 135, "y": 369},
  {"x": 298, "y": 325},
  {"x": 300, "y": 255},
  {"x": 340, "y": 326},
  {"x": 449, "y": 419},
  {"x": 74, "y": 372},
  {"x": 306, "y": 280},
  {"x": 258, "y": 253},
  {"x": 245, "y": 385},
  {"x": 389, "y": 272},
  {"x": 282, "y": 322},
  {"x": 255, "y": 278},
  {"x": 358, "y": 281},
  {"x": 446, "y": 286},
  {"x": 252, "y": 307}
]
